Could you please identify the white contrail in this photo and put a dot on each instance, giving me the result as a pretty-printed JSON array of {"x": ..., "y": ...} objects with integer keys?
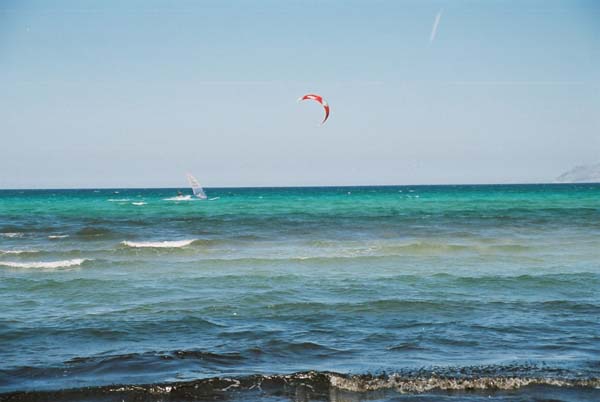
[{"x": 436, "y": 22}]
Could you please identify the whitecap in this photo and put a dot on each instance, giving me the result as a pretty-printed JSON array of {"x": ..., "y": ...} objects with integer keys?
[
  {"x": 139, "y": 203},
  {"x": 45, "y": 264},
  {"x": 179, "y": 198},
  {"x": 17, "y": 251},
  {"x": 11, "y": 234},
  {"x": 158, "y": 244},
  {"x": 424, "y": 384},
  {"x": 58, "y": 236}
]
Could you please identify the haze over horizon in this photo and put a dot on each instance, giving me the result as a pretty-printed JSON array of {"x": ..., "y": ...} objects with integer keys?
[{"x": 103, "y": 94}]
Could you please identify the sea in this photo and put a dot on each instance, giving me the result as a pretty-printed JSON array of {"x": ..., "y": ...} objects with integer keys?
[{"x": 394, "y": 293}]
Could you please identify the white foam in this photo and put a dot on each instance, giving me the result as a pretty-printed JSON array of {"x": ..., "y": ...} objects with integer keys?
[
  {"x": 180, "y": 198},
  {"x": 17, "y": 251},
  {"x": 44, "y": 264},
  {"x": 139, "y": 203},
  {"x": 57, "y": 236},
  {"x": 426, "y": 384},
  {"x": 12, "y": 234},
  {"x": 158, "y": 244}
]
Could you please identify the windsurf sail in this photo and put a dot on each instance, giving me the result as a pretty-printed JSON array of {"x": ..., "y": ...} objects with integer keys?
[{"x": 196, "y": 188}]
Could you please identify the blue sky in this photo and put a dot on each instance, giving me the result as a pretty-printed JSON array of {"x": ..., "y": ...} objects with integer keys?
[{"x": 118, "y": 94}]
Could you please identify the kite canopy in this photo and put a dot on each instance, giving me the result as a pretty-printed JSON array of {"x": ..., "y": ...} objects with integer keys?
[{"x": 318, "y": 98}]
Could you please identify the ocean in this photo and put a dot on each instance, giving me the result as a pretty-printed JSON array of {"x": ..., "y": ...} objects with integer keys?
[{"x": 428, "y": 293}]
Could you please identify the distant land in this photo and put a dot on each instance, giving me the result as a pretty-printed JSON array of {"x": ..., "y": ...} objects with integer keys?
[{"x": 581, "y": 174}]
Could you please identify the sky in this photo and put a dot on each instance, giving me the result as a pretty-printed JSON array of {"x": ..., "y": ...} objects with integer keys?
[{"x": 137, "y": 93}]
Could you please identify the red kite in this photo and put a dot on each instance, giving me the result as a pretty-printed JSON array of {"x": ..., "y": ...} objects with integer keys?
[{"x": 323, "y": 102}]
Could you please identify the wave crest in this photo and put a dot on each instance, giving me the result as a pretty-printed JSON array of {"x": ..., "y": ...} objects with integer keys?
[
  {"x": 158, "y": 244},
  {"x": 180, "y": 198},
  {"x": 319, "y": 385},
  {"x": 18, "y": 252},
  {"x": 433, "y": 383},
  {"x": 11, "y": 235},
  {"x": 45, "y": 264}
]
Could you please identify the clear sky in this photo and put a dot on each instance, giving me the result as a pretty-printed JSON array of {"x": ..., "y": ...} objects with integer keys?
[{"x": 136, "y": 93}]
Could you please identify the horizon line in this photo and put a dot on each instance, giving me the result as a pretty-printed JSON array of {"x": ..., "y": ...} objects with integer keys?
[{"x": 300, "y": 186}]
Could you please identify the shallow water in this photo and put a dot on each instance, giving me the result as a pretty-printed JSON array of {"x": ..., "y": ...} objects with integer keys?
[{"x": 102, "y": 287}]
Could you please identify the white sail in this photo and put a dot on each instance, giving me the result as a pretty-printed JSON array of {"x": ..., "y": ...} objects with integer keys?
[{"x": 196, "y": 188}]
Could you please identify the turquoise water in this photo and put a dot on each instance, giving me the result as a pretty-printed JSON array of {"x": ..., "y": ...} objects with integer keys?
[{"x": 102, "y": 287}]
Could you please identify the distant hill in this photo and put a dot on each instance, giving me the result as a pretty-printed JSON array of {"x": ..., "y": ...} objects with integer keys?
[{"x": 581, "y": 174}]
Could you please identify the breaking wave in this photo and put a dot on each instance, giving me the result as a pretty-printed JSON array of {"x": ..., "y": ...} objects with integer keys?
[
  {"x": 45, "y": 264},
  {"x": 312, "y": 385},
  {"x": 158, "y": 244},
  {"x": 18, "y": 252},
  {"x": 434, "y": 383},
  {"x": 180, "y": 198},
  {"x": 11, "y": 234}
]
